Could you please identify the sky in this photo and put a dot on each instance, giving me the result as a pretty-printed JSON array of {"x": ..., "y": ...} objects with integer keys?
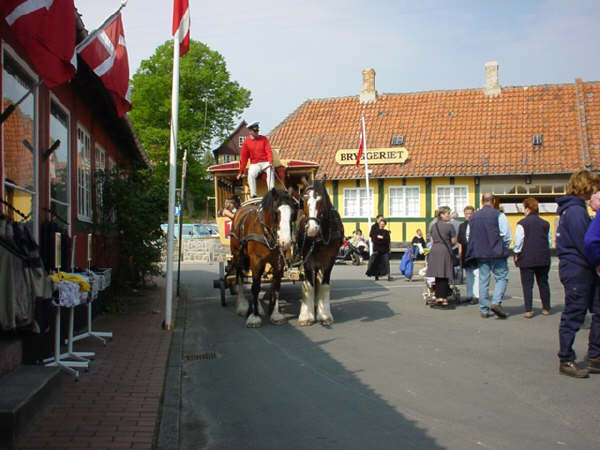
[{"x": 286, "y": 52}]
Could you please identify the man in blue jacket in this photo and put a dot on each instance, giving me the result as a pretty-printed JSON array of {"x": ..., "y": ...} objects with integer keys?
[
  {"x": 577, "y": 275},
  {"x": 488, "y": 237}
]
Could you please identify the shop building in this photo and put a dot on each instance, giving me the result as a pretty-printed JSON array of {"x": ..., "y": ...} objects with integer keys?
[
  {"x": 59, "y": 184},
  {"x": 430, "y": 149}
]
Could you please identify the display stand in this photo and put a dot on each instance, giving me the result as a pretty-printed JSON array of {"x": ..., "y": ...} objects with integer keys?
[
  {"x": 100, "y": 335},
  {"x": 65, "y": 360},
  {"x": 60, "y": 359}
]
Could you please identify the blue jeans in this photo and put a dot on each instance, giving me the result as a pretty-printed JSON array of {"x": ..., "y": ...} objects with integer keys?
[
  {"x": 472, "y": 279},
  {"x": 499, "y": 267}
]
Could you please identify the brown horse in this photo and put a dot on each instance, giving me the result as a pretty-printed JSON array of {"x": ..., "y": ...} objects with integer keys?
[
  {"x": 261, "y": 234},
  {"x": 319, "y": 235}
]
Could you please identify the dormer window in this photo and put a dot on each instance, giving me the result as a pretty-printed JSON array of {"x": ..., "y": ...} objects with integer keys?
[
  {"x": 397, "y": 140},
  {"x": 538, "y": 139}
]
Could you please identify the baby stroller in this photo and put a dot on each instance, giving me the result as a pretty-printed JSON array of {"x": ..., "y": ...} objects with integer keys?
[{"x": 429, "y": 292}]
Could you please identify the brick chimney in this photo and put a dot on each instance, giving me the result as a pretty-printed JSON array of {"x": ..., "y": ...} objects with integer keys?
[
  {"x": 492, "y": 87},
  {"x": 368, "y": 94}
]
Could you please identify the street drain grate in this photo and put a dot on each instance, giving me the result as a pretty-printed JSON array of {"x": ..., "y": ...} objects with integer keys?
[{"x": 204, "y": 355}]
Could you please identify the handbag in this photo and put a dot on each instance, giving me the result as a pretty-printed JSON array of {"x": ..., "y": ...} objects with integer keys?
[{"x": 453, "y": 256}]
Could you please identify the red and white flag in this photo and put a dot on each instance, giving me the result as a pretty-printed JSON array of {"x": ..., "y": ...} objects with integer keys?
[
  {"x": 181, "y": 24},
  {"x": 106, "y": 54},
  {"x": 46, "y": 30},
  {"x": 360, "y": 149}
]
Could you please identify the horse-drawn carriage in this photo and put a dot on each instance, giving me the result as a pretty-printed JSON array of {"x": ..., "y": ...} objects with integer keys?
[{"x": 284, "y": 235}]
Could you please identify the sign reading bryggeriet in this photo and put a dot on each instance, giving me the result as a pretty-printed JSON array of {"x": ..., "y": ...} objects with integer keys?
[{"x": 375, "y": 155}]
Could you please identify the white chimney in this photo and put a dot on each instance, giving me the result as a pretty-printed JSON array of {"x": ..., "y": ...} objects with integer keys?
[
  {"x": 492, "y": 87},
  {"x": 368, "y": 94}
]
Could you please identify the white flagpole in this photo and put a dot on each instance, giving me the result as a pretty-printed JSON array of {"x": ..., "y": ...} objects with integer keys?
[
  {"x": 364, "y": 135},
  {"x": 172, "y": 180}
]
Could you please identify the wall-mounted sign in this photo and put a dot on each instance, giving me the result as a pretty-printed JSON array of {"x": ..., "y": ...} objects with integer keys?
[{"x": 396, "y": 155}]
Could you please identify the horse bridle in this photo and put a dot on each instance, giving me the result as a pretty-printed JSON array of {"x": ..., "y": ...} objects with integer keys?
[{"x": 309, "y": 218}]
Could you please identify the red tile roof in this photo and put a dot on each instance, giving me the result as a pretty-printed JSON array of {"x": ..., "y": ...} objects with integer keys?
[{"x": 453, "y": 133}]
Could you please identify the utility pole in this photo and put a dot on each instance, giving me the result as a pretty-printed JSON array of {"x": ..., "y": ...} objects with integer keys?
[{"x": 181, "y": 200}]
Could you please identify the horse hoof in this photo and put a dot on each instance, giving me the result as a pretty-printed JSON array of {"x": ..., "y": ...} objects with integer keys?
[
  {"x": 327, "y": 321},
  {"x": 305, "y": 323},
  {"x": 279, "y": 320},
  {"x": 253, "y": 321}
]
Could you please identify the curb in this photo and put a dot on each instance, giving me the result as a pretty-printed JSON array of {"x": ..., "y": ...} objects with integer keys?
[{"x": 170, "y": 412}]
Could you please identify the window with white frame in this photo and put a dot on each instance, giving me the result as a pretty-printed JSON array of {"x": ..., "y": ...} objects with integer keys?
[
  {"x": 241, "y": 140},
  {"x": 356, "y": 202},
  {"x": 405, "y": 201},
  {"x": 58, "y": 163},
  {"x": 84, "y": 175},
  {"x": 19, "y": 133},
  {"x": 455, "y": 197},
  {"x": 100, "y": 169}
]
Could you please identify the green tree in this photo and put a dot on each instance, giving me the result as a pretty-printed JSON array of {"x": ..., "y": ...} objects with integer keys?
[
  {"x": 209, "y": 101},
  {"x": 134, "y": 204}
]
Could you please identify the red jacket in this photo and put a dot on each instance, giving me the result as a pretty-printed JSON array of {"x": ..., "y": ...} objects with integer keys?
[{"x": 258, "y": 150}]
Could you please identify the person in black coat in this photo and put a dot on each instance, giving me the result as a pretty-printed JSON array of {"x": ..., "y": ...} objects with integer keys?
[
  {"x": 577, "y": 275},
  {"x": 532, "y": 255},
  {"x": 379, "y": 264},
  {"x": 470, "y": 267},
  {"x": 418, "y": 245}
]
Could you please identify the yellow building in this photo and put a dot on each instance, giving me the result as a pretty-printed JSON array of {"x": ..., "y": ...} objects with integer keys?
[{"x": 445, "y": 148}]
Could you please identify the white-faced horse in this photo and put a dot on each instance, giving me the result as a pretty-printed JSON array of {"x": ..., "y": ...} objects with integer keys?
[
  {"x": 261, "y": 234},
  {"x": 319, "y": 235}
]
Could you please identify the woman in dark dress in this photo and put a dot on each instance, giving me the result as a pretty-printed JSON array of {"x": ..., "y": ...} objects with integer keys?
[
  {"x": 418, "y": 245},
  {"x": 379, "y": 265},
  {"x": 439, "y": 260}
]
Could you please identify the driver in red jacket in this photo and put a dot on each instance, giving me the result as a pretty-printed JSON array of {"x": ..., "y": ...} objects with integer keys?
[{"x": 258, "y": 150}]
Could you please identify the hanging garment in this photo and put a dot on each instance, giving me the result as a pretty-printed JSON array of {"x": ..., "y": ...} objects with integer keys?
[{"x": 22, "y": 277}]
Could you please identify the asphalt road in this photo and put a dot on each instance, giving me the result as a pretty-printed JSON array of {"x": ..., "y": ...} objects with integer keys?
[{"x": 390, "y": 373}]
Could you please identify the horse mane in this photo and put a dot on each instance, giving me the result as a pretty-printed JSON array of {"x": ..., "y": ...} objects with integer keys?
[
  {"x": 275, "y": 198},
  {"x": 325, "y": 204}
]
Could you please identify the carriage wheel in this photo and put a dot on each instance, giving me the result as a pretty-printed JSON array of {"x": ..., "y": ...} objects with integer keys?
[{"x": 222, "y": 289}]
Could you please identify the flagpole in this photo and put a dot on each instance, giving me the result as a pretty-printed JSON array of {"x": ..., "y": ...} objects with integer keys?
[
  {"x": 172, "y": 180},
  {"x": 364, "y": 135}
]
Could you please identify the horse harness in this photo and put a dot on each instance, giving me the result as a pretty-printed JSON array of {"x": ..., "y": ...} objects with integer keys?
[
  {"x": 320, "y": 239},
  {"x": 269, "y": 236}
]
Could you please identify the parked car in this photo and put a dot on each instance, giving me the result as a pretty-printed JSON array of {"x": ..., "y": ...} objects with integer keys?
[
  {"x": 206, "y": 230},
  {"x": 193, "y": 230}
]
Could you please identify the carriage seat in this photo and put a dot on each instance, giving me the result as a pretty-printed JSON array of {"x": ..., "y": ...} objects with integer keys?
[{"x": 252, "y": 201}]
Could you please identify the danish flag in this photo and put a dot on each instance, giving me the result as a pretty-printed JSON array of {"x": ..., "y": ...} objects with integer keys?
[
  {"x": 181, "y": 24},
  {"x": 46, "y": 30},
  {"x": 106, "y": 54},
  {"x": 360, "y": 149}
]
